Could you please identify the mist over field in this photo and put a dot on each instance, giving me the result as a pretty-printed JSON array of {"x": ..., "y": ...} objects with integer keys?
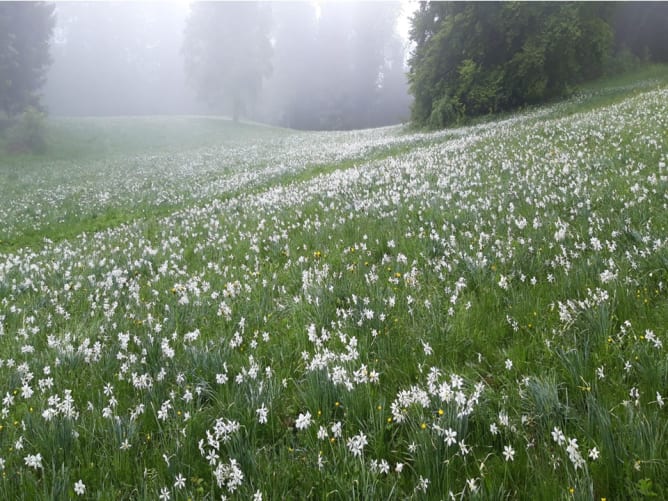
[
  {"x": 118, "y": 58},
  {"x": 296, "y": 64}
]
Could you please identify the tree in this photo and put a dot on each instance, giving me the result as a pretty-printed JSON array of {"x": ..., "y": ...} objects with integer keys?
[
  {"x": 25, "y": 33},
  {"x": 287, "y": 97},
  {"x": 474, "y": 58},
  {"x": 358, "y": 63},
  {"x": 228, "y": 52},
  {"x": 642, "y": 28},
  {"x": 374, "y": 34},
  {"x": 393, "y": 102},
  {"x": 337, "y": 66}
]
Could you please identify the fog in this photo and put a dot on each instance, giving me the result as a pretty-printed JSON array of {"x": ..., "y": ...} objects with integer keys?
[{"x": 307, "y": 65}]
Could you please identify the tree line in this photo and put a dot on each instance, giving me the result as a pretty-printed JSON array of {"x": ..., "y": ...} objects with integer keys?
[
  {"x": 476, "y": 58},
  {"x": 295, "y": 64},
  {"x": 332, "y": 66}
]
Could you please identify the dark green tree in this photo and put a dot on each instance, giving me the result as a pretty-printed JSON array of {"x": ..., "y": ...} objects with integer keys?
[
  {"x": 474, "y": 58},
  {"x": 227, "y": 53},
  {"x": 25, "y": 33}
]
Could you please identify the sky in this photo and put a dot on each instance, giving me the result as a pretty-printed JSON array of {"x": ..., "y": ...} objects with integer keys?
[{"x": 408, "y": 7}]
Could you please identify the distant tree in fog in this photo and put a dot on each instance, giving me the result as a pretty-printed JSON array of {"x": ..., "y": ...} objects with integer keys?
[
  {"x": 340, "y": 68},
  {"x": 353, "y": 41},
  {"x": 118, "y": 58},
  {"x": 25, "y": 32},
  {"x": 287, "y": 96},
  {"x": 642, "y": 28},
  {"x": 227, "y": 52},
  {"x": 297, "y": 64}
]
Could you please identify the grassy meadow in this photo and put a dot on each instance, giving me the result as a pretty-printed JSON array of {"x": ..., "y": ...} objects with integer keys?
[{"x": 192, "y": 309}]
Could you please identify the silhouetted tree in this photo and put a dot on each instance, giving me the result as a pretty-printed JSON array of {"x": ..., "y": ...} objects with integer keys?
[
  {"x": 228, "y": 52},
  {"x": 288, "y": 93},
  {"x": 25, "y": 32},
  {"x": 642, "y": 28},
  {"x": 336, "y": 69},
  {"x": 355, "y": 41}
]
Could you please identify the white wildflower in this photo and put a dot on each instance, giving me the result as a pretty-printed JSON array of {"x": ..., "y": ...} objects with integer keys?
[
  {"x": 508, "y": 452},
  {"x": 450, "y": 436},
  {"x": 356, "y": 444},
  {"x": 33, "y": 461},
  {"x": 303, "y": 421},
  {"x": 79, "y": 488}
]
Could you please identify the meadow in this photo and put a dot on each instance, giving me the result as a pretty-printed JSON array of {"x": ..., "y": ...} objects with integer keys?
[{"x": 191, "y": 309}]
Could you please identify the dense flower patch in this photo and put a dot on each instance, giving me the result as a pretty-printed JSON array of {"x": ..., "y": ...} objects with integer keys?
[{"x": 481, "y": 309}]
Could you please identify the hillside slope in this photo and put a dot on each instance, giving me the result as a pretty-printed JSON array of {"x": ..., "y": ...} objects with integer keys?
[{"x": 363, "y": 315}]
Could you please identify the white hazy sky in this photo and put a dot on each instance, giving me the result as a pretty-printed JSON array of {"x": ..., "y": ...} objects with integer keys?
[
  {"x": 403, "y": 25},
  {"x": 408, "y": 7}
]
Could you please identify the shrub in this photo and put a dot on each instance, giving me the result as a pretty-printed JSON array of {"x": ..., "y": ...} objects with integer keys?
[
  {"x": 622, "y": 62},
  {"x": 28, "y": 133},
  {"x": 446, "y": 111}
]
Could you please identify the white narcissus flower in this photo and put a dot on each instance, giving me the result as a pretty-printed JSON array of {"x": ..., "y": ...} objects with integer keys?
[
  {"x": 179, "y": 481},
  {"x": 450, "y": 436},
  {"x": 508, "y": 452},
  {"x": 33, "y": 461},
  {"x": 165, "y": 495},
  {"x": 303, "y": 421},
  {"x": 356, "y": 444},
  {"x": 80, "y": 488},
  {"x": 262, "y": 414},
  {"x": 558, "y": 436}
]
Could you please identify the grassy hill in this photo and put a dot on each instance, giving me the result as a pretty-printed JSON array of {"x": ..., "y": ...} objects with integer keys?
[{"x": 191, "y": 308}]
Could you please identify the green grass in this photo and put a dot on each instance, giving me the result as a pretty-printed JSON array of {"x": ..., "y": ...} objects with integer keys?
[
  {"x": 610, "y": 90},
  {"x": 94, "y": 137},
  {"x": 507, "y": 282},
  {"x": 75, "y": 222}
]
